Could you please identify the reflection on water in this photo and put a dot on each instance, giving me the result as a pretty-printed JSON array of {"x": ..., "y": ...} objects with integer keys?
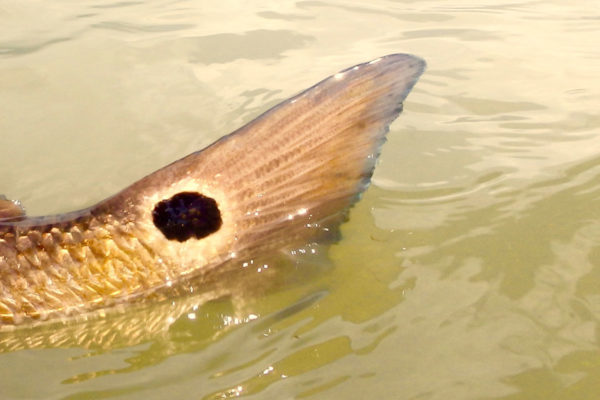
[{"x": 469, "y": 270}]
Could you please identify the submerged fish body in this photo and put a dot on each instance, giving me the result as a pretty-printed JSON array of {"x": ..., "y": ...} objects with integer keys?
[
  {"x": 223, "y": 300},
  {"x": 278, "y": 181}
]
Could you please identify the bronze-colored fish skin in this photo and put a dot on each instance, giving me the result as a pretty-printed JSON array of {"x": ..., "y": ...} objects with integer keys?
[
  {"x": 281, "y": 179},
  {"x": 236, "y": 288}
]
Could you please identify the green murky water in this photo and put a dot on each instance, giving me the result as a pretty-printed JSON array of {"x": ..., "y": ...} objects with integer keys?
[{"x": 470, "y": 269}]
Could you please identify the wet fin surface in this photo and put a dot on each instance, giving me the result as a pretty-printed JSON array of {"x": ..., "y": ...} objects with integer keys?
[
  {"x": 11, "y": 210},
  {"x": 295, "y": 169},
  {"x": 314, "y": 154}
]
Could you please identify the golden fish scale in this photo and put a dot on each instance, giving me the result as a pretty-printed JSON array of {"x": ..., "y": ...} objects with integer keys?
[{"x": 63, "y": 269}]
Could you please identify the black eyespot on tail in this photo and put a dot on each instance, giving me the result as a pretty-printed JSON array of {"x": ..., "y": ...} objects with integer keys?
[{"x": 187, "y": 215}]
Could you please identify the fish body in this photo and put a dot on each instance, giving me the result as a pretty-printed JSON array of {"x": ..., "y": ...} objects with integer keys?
[{"x": 281, "y": 180}]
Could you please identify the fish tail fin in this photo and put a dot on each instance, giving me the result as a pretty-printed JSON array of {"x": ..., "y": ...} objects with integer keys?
[
  {"x": 315, "y": 153},
  {"x": 289, "y": 174}
]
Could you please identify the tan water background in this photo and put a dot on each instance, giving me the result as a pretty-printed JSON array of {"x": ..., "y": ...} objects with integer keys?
[{"x": 469, "y": 270}]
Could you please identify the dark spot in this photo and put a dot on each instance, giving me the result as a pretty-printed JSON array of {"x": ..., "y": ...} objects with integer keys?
[{"x": 187, "y": 215}]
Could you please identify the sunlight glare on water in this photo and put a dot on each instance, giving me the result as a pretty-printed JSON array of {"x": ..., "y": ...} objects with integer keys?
[{"x": 469, "y": 270}]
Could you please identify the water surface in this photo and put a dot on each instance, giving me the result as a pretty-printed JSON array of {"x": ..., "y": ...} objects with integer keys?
[{"x": 470, "y": 269}]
